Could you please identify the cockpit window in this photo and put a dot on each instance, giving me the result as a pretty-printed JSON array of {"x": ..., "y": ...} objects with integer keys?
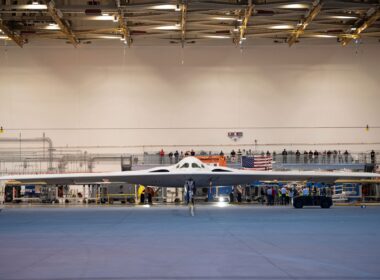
[
  {"x": 195, "y": 165},
  {"x": 185, "y": 165}
]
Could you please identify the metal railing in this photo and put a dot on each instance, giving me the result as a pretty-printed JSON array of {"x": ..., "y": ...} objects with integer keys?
[{"x": 29, "y": 162}]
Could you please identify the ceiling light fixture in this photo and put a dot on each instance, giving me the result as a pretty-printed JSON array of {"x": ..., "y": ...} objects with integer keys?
[
  {"x": 281, "y": 26},
  {"x": 52, "y": 26},
  {"x": 164, "y": 7},
  {"x": 4, "y": 37},
  {"x": 168, "y": 27},
  {"x": 217, "y": 36},
  {"x": 102, "y": 17},
  {"x": 33, "y": 7},
  {"x": 109, "y": 37},
  {"x": 344, "y": 17},
  {"x": 295, "y": 6},
  {"x": 225, "y": 18},
  {"x": 324, "y": 36}
]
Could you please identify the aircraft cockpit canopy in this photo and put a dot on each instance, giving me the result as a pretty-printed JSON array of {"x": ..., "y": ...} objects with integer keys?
[{"x": 190, "y": 165}]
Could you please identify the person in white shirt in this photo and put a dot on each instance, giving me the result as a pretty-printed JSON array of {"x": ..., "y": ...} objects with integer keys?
[
  {"x": 269, "y": 196},
  {"x": 283, "y": 195},
  {"x": 305, "y": 191}
]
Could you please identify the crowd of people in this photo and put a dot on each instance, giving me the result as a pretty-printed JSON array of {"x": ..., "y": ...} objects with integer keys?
[
  {"x": 176, "y": 156},
  {"x": 275, "y": 195},
  {"x": 315, "y": 156},
  {"x": 324, "y": 157}
]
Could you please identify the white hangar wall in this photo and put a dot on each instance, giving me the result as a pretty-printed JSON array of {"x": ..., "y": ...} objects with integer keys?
[{"x": 216, "y": 87}]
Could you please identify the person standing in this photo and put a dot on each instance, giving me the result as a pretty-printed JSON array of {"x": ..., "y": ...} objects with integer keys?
[
  {"x": 305, "y": 191},
  {"x": 373, "y": 157},
  {"x": 291, "y": 195},
  {"x": 162, "y": 154},
  {"x": 190, "y": 192},
  {"x": 274, "y": 195},
  {"x": 316, "y": 155},
  {"x": 329, "y": 156},
  {"x": 346, "y": 156},
  {"x": 239, "y": 154},
  {"x": 269, "y": 196},
  {"x": 298, "y": 154},
  {"x": 284, "y": 156},
  {"x": 283, "y": 195},
  {"x": 171, "y": 157},
  {"x": 233, "y": 156},
  {"x": 262, "y": 195},
  {"x": 176, "y": 156},
  {"x": 150, "y": 193},
  {"x": 305, "y": 156}
]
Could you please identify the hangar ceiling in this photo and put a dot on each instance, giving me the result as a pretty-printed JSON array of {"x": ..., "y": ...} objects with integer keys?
[{"x": 182, "y": 22}]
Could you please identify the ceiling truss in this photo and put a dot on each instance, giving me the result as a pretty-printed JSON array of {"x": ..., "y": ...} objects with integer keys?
[
  {"x": 157, "y": 22},
  {"x": 19, "y": 40},
  {"x": 57, "y": 16}
]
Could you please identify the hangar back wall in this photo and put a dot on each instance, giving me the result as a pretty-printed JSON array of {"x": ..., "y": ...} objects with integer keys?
[{"x": 49, "y": 88}]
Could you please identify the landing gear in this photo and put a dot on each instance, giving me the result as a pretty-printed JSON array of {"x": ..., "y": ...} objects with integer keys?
[{"x": 190, "y": 190}]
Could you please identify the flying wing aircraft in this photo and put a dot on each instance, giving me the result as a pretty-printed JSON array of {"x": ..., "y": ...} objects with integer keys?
[{"x": 189, "y": 168}]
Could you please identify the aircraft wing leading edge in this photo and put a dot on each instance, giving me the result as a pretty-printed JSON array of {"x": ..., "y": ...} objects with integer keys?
[{"x": 201, "y": 178}]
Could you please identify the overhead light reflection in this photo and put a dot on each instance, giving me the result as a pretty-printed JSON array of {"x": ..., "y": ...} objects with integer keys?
[
  {"x": 281, "y": 26},
  {"x": 225, "y": 18},
  {"x": 217, "y": 36},
  {"x": 344, "y": 17},
  {"x": 102, "y": 17},
  {"x": 168, "y": 27},
  {"x": 108, "y": 37},
  {"x": 33, "y": 7},
  {"x": 222, "y": 204},
  {"x": 295, "y": 6},
  {"x": 164, "y": 7},
  {"x": 52, "y": 26},
  {"x": 324, "y": 36}
]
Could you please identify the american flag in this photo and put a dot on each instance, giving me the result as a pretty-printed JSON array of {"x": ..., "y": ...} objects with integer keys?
[{"x": 257, "y": 162}]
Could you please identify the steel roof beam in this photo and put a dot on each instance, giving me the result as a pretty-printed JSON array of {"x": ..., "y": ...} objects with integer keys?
[
  {"x": 18, "y": 39},
  {"x": 243, "y": 28},
  {"x": 347, "y": 38},
  {"x": 316, "y": 9},
  {"x": 183, "y": 22},
  {"x": 125, "y": 29},
  {"x": 64, "y": 27}
]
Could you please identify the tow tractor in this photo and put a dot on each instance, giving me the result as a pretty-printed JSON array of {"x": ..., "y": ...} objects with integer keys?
[{"x": 310, "y": 200}]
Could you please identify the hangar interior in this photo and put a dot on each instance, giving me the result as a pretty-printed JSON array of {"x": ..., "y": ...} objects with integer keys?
[{"x": 91, "y": 86}]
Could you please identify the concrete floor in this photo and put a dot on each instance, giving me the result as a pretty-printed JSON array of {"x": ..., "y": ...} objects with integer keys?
[{"x": 164, "y": 242}]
